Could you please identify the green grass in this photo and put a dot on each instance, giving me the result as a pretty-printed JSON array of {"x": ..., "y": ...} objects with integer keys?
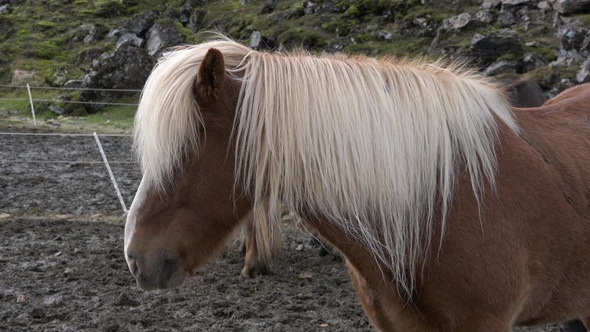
[{"x": 48, "y": 36}]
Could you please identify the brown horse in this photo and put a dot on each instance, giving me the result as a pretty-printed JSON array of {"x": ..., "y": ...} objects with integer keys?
[
  {"x": 262, "y": 237},
  {"x": 576, "y": 92},
  {"x": 524, "y": 93},
  {"x": 453, "y": 212}
]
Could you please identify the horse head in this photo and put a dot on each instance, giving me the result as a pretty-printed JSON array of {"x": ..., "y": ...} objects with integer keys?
[{"x": 175, "y": 224}]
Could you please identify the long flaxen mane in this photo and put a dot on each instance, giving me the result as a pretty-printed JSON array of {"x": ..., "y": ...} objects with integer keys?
[{"x": 373, "y": 145}]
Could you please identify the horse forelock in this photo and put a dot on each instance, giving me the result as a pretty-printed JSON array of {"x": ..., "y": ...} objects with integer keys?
[
  {"x": 168, "y": 119},
  {"x": 371, "y": 144}
]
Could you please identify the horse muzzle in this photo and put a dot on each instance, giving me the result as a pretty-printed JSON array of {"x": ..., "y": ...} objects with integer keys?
[{"x": 159, "y": 270}]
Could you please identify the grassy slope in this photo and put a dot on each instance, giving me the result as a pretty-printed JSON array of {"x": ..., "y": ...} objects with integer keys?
[{"x": 47, "y": 37}]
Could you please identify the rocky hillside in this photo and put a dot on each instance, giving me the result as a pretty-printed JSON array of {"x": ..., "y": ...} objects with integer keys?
[{"x": 113, "y": 44}]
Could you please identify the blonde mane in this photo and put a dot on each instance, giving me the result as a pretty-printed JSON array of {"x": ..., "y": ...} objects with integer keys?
[{"x": 370, "y": 144}]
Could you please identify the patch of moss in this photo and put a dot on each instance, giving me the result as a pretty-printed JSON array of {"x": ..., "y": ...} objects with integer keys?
[
  {"x": 109, "y": 8},
  {"x": 45, "y": 50},
  {"x": 352, "y": 11},
  {"x": 301, "y": 37},
  {"x": 44, "y": 25}
]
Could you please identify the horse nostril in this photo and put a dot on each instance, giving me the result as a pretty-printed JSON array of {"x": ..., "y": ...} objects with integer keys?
[{"x": 132, "y": 262}]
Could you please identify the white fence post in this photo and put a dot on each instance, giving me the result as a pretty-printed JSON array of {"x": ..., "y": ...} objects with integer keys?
[
  {"x": 106, "y": 162},
  {"x": 32, "y": 106}
]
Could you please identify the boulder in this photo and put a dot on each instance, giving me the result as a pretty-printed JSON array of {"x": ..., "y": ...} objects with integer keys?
[
  {"x": 568, "y": 7},
  {"x": 508, "y": 18},
  {"x": 512, "y": 3},
  {"x": 20, "y": 77},
  {"x": 502, "y": 67},
  {"x": 583, "y": 75},
  {"x": 140, "y": 24},
  {"x": 130, "y": 38},
  {"x": 255, "y": 39},
  {"x": 96, "y": 33},
  {"x": 468, "y": 21},
  {"x": 5, "y": 9},
  {"x": 532, "y": 61},
  {"x": 127, "y": 68},
  {"x": 571, "y": 36},
  {"x": 496, "y": 43},
  {"x": 57, "y": 109},
  {"x": 489, "y": 4},
  {"x": 160, "y": 36},
  {"x": 268, "y": 7},
  {"x": 73, "y": 84}
]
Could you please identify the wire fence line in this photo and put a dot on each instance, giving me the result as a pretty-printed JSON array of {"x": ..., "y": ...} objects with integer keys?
[
  {"x": 69, "y": 101},
  {"x": 32, "y": 101},
  {"x": 65, "y": 88},
  {"x": 30, "y": 98},
  {"x": 104, "y": 160},
  {"x": 62, "y": 134}
]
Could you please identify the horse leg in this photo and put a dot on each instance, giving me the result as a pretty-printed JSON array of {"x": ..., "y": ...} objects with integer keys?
[
  {"x": 263, "y": 242},
  {"x": 250, "y": 248}
]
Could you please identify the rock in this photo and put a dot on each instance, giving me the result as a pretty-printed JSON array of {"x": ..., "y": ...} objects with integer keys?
[
  {"x": 508, "y": 18},
  {"x": 130, "y": 38},
  {"x": 583, "y": 74},
  {"x": 484, "y": 17},
  {"x": 116, "y": 33},
  {"x": 571, "y": 36},
  {"x": 489, "y": 4},
  {"x": 502, "y": 67},
  {"x": 140, "y": 24},
  {"x": 56, "y": 109},
  {"x": 268, "y": 7},
  {"x": 544, "y": 6},
  {"x": 512, "y": 3},
  {"x": 385, "y": 35},
  {"x": 86, "y": 56},
  {"x": 255, "y": 39},
  {"x": 97, "y": 32},
  {"x": 494, "y": 44},
  {"x": 457, "y": 22},
  {"x": 532, "y": 61},
  {"x": 468, "y": 21},
  {"x": 160, "y": 36},
  {"x": 127, "y": 68},
  {"x": 567, "y": 7},
  {"x": 5, "y": 9},
  {"x": 73, "y": 84},
  {"x": 20, "y": 77}
]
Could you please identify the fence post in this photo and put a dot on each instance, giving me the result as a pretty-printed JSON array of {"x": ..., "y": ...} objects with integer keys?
[
  {"x": 106, "y": 162},
  {"x": 32, "y": 106}
]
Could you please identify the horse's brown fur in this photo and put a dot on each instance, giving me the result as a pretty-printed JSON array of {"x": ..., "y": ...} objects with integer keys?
[{"x": 519, "y": 258}]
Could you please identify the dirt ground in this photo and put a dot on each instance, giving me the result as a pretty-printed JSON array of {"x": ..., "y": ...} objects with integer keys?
[{"x": 62, "y": 266}]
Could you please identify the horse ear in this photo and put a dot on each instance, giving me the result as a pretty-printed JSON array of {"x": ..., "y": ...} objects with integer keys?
[{"x": 211, "y": 74}]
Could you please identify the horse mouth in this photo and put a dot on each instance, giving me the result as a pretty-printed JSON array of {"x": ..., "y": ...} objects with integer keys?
[{"x": 163, "y": 273}]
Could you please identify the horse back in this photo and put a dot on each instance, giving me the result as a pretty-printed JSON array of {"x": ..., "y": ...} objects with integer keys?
[{"x": 560, "y": 134}]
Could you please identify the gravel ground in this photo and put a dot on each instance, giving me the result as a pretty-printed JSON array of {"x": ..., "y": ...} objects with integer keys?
[{"x": 62, "y": 265}]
